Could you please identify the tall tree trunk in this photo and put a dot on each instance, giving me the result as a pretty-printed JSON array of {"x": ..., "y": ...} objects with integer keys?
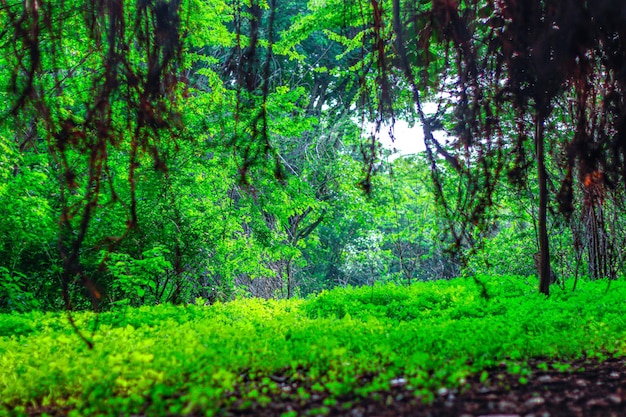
[
  {"x": 289, "y": 283},
  {"x": 595, "y": 231},
  {"x": 544, "y": 246}
]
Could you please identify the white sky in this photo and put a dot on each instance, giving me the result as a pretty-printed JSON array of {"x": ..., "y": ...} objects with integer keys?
[{"x": 408, "y": 140}]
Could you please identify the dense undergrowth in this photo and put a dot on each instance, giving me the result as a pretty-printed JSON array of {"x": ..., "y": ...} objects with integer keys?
[{"x": 347, "y": 343}]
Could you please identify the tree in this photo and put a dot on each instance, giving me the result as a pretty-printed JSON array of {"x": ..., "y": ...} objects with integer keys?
[
  {"x": 517, "y": 57},
  {"x": 195, "y": 147},
  {"x": 110, "y": 83}
]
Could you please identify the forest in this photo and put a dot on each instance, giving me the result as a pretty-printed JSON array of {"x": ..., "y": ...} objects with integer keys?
[{"x": 234, "y": 177}]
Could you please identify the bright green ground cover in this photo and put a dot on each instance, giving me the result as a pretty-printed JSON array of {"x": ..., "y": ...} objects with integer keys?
[{"x": 168, "y": 359}]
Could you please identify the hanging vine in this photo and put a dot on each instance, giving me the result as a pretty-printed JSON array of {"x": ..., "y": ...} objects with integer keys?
[{"x": 129, "y": 67}]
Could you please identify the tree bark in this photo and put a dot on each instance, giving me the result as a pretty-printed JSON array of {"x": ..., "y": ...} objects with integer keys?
[
  {"x": 289, "y": 283},
  {"x": 544, "y": 245}
]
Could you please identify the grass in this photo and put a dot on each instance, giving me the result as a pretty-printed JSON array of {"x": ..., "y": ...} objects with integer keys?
[{"x": 347, "y": 343}]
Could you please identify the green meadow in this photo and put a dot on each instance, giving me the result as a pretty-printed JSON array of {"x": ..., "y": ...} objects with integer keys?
[{"x": 346, "y": 343}]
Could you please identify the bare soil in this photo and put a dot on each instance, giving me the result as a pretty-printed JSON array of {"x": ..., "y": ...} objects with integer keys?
[{"x": 587, "y": 389}]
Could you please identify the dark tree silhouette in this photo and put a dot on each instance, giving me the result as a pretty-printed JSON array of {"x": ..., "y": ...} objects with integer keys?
[
  {"x": 505, "y": 65},
  {"x": 130, "y": 67}
]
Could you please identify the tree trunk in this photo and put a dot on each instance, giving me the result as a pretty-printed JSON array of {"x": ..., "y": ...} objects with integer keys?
[
  {"x": 596, "y": 236},
  {"x": 544, "y": 246},
  {"x": 288, "y": 272}
]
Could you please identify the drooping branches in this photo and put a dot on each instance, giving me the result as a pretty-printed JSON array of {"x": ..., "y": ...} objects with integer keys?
[
  {"x": 252, "y": 73},
  {"x": 505, "y": 64},
  {"x": 112, "y": 82}
]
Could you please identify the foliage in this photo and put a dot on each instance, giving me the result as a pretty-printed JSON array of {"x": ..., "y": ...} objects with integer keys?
[
  {"x": 194, "y": 170},
  {"x": 191, "y": 359},
  {"x": 231, "y": 138},
  {"x": 133, "y": 278}
]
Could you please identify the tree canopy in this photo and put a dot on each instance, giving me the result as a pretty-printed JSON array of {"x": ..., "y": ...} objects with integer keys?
[{"x": 165, "y": 150}]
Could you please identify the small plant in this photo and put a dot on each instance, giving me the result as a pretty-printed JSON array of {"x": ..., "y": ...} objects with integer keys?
[
  {"x": 136, "y": 279},
  {"x": 12, "y": 295},
  {"x": 199, "y": 359}
]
